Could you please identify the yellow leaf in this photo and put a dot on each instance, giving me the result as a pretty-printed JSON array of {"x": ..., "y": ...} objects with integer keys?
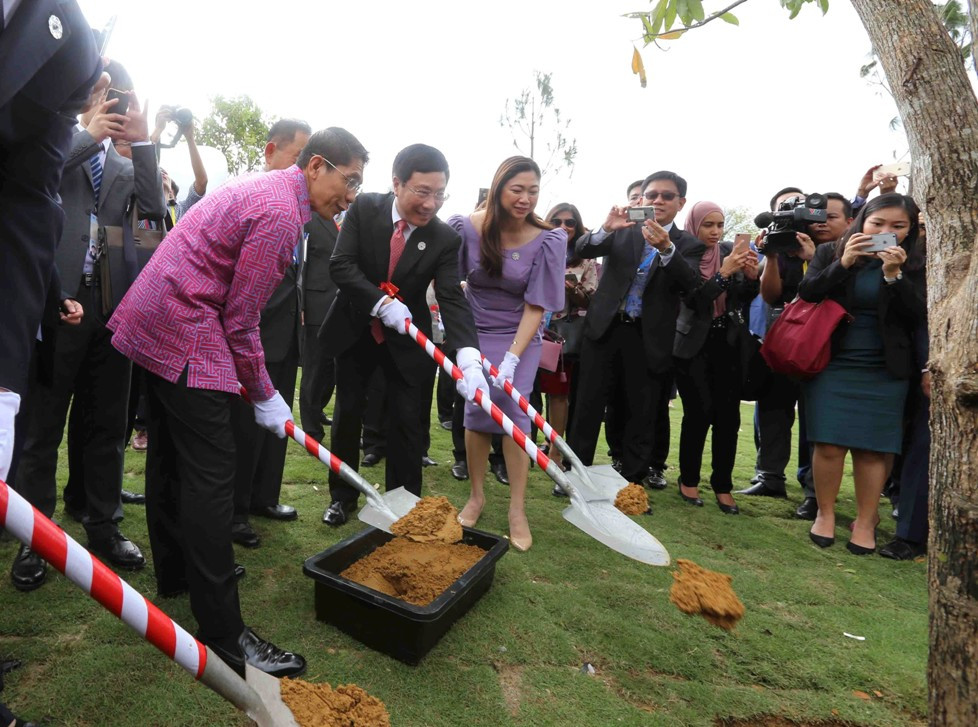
[
  {"x": 672, "y": 36},
  {"x": 637, "y": 66}
]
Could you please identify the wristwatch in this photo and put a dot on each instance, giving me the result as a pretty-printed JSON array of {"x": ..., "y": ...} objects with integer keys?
[{"x": 890, "y": 281}]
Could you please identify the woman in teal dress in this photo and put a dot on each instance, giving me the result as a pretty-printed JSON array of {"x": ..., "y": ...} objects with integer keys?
[{"x": 856, "y": 403}]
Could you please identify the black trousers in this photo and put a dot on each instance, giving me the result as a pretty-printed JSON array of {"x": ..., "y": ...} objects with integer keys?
[
  {"x": 92, "y": 379},
  {"x": 260, "y": 454},
  {"x": 914, "y": 478},
  {"x": 445, "y": 395},
  {"x": 190, "y": 503},
  {"x": 621, "y": 346},
  {"x": 318, "y": 382},
  {"x": 404, "y": 395},
  {"x": 709, "y": 384},
  {"x": 375, "y": 415}
]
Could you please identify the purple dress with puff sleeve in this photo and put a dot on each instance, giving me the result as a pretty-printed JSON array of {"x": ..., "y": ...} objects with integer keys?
[{"x": 532, "y": 273}]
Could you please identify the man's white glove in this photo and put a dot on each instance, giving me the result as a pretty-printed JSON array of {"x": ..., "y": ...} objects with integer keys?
[
  {"x": 470, "y": 362},
  {"x": 9, "y": 406},
  {"x": 507, "y": 370},
  {"x": 273, "y": 413},
  {"x": 392, "y": 315}
]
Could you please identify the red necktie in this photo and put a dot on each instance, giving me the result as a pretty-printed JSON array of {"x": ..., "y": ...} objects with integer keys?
[{"x": 398, "y": 243}]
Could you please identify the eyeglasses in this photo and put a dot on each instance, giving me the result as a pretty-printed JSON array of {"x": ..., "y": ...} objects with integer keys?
[
  {"x": 352, "y": 183},
  {"x": 557, "y": 222},
  {"x": 425, "y": 194},
  {"x": 666, "y": 196}
]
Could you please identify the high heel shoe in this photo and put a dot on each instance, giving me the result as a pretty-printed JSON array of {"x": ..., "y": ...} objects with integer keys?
[
  {"x": 820, "y": 540},
  {"x": 469, "y": 522},
  {"x": 698, "y": 502},
  {"x": 522, "y": 544},
  {"x": 859, "y": 550},
  {"x": 728, "y": 509}
]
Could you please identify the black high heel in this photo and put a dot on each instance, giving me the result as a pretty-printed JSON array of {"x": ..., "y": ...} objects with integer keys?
[
  {"x": 728, "y": 509},
  {"x": 698, "y": 502},
  {"x": 821, "y": 541},
  {"x": 858, "y": 549}
]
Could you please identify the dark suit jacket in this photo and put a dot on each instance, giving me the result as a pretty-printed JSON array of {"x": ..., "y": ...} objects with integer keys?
[
  {"x": 696, "y": 311},
  {"x": 281, "y": 324},
  {"x": 122, "y": 181},
  {"x": 622, "y": 251},
  {"x": 359, "y": 264},
  {"x": 902, "y": 305},
  {"x": 319, "y": 290}
]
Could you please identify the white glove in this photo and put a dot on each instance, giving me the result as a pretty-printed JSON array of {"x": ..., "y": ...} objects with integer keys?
[
  {"x": 470, "y": 362},
  {"x": 273, "y": 413},
  {"x": 9, "y": 406},
  {"x": 392, "y": 315},
  {"x": 507, "y": 369}
]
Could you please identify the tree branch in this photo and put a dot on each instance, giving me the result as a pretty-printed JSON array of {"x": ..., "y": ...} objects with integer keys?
[{"x": 701, "y": 23}]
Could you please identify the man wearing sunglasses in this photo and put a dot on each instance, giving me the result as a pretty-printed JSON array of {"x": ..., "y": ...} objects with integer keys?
[
  {"x": 633, "y": 310},
  {"x": 390, "y": 248}
]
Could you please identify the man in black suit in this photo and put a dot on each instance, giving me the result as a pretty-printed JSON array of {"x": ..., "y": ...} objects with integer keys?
[
  {"x": 631, "y": 321},
  {"x": 391, "y": 246},
  {"x": 98, "y": 189},
  {"x": 260, "y": 454}
]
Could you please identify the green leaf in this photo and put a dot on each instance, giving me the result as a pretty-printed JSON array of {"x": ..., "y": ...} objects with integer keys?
[
  {"x": 670, "y": 14},
  {"x": 730, "y": 18},
  {"x": 696, "y": 9},
  {"x": 824, "y": 5},
  {"x": 658, "y": 15},
  {"x": 649, "y": 30},
  {"x": 682, "y": 10}
]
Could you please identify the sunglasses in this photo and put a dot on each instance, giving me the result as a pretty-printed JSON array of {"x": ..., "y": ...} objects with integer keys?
[
  {"x": 557, "y": 222},
  {"x": 667, "y": 196}
]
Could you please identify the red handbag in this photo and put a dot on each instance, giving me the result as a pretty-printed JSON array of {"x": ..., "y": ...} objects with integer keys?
[{"x": 799, "y": 342}]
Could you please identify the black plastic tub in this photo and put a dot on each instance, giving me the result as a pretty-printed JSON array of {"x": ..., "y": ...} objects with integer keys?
[{"x": 390, "y": 625}]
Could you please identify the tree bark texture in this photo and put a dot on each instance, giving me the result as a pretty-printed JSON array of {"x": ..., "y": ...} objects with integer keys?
[{"x": 940, "y": 115}]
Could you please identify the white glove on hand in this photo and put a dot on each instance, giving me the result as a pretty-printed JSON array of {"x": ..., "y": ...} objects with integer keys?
[
  {"x": 9, "y": 406},
  {"x": 470, "y": 362},
  {"x": 392, "y": 315},
  {"x": 507, "y": 369},
  {"x": 273, "y": 413}
]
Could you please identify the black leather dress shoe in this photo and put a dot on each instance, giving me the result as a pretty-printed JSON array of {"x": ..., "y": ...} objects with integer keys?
[
  {"x": 900, "y": 549},
  {"x": 327, "y": 421},
  {"x": 460, "y": 470},
  {"x": 338, "y": 513},
  {"x": 654, "y": 480},
  {"x": 276, "y": 512},
  {"x": 244, "y": 534},
  {"x": 370, "y": 459},
  {"x": 446, "y": 425},
  {"x": 133, "y": 498},
  {"x": 267, "y": 657},
  {"x": 616, "y": 465},
  {"x": 239, "y": 571},
  {"x": 118, "y": 550},
  {"x": 29, "y": 570},
  {"x": 427, "y": 461},
  {"x": 762, "y": 490},
  {"x": 808, "y": 509},
  {"x": 499, "y": 470}
]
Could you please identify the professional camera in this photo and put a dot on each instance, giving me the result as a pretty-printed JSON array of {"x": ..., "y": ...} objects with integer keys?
[
  {"x": 180, "y": 116},
  {"x": 794, "y": 215}
]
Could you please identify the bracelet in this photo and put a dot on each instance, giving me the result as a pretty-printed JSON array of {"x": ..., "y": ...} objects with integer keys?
[
  {"x": 891, "y": 281},
  {"x": 723, "y": 282}
]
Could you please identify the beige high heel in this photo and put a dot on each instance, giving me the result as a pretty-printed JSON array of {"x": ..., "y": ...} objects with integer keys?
[
  {"x": 522, "y": 544},
  {"x": 469, "y": 522}
]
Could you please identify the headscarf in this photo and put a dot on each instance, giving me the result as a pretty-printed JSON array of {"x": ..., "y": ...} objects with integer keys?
[{"x": 710, "y": 262}]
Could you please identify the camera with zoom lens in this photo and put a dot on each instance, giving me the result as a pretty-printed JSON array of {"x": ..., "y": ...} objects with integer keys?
[
  {"x": 794, "y": 215},
  {"x": 183, "y": 118}
]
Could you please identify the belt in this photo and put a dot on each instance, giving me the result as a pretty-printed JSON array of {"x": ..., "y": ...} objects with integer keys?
[
  {"x": 623, "y": 317},
  {"x": 88, "y": 280}
]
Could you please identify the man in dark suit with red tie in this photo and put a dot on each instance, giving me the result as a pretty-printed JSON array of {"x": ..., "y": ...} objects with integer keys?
[{"x": 390, "y": 247}]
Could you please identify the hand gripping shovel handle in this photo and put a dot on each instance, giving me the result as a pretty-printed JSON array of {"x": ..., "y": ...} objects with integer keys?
[
  {"x": 317, "y": 450},
  {"x": 87, "y": 572}
]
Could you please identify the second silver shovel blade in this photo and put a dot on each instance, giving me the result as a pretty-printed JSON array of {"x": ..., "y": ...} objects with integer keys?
[
  {"x": 399, "y": 502},
  {"x": 616, "y": 530}
]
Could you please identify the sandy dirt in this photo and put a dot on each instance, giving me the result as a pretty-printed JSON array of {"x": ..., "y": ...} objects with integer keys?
[
  {"x": 632, "y": 500},
  {"x": 318, "y": 705},
  {"x": 706, "y": 592},
  {"x": 431, "y": 520}
]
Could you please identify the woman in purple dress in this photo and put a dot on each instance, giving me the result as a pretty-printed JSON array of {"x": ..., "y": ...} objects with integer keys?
[{"x": 513, "y": 267}]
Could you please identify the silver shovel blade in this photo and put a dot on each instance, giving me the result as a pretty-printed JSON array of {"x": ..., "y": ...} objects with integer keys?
[
  {"x": 399, "y": 503},
  {"x": 613, "y": 528},
  {"x": 600, "y": 482},
  {"x": 269, "y": 692}
]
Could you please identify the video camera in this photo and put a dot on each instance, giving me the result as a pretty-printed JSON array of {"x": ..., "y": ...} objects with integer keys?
[
  {"x": 794, "y": 215},
  {"x": 182, "y": 117}
]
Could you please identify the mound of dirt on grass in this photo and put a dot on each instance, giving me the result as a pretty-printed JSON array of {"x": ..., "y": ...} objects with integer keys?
[
  {"x": 706, "y": 592},
  {"x": 318, "y": 705},
  {"x": 431, "y": 520},
  {"x": 632, "y": 500},
  {"x": 414, "y": 572}
]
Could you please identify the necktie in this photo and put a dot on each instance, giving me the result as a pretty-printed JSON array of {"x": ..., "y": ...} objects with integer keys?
[
  {"x": 633, "y": 301},
  {"x": 96, "y": 176},
  {"x": 398, "y": 242}
]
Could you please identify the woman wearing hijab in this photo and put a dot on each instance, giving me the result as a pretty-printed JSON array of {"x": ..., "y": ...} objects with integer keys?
[{"x": 707, "y": 354}]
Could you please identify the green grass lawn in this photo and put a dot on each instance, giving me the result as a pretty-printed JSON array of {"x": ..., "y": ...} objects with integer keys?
[{"x": 516, "y": 657}]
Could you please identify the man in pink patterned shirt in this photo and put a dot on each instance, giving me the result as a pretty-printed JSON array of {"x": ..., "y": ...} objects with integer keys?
[{"x": 191, "y": 321}]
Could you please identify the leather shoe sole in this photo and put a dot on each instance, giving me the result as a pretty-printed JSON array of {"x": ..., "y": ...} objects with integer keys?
[
  {"x": 762, "y": 490},
  {"x": 244, "y": 535},
  {"x": 267, "y": 657},
  {"x": 276, "y": 512},
  {"x": 28, "y": 571}
]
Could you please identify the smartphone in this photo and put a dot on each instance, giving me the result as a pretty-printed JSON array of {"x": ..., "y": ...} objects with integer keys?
[
  {"x": 897, "y": 169},
  {"x": 123, "y": 106},
  {"x": 572, "y": 277},
  {"x": 741, "y": 241},
  {"x": 881, "y": 241},
  {"x": 640, "y": 214}
]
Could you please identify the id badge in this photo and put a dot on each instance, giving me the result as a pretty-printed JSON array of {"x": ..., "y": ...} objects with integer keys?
[{"x": 93, "y": 237}]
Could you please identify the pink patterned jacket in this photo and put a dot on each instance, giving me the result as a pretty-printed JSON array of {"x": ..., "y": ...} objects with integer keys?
[{"x": 198, "y": 302}]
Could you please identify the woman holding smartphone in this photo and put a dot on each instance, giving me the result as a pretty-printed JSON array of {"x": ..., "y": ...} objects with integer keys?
[
  {"x": 707, "y": 353},
  {"x": 856, "y": 403},
  {"x": 513, "y": 265}
]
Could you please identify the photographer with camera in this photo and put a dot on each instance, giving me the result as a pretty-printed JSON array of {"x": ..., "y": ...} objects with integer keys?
[{"x": 184, "y": 120}]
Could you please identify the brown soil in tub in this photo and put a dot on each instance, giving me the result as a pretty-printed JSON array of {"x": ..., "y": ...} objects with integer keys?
[{"x": 431, "y": 520}]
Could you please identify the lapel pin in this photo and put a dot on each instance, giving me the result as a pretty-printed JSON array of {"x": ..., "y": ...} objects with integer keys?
[
  {"x": 54, "y": 25},
  {"x": 422, "y": 246},
  {"x": 516, "y": 256}
]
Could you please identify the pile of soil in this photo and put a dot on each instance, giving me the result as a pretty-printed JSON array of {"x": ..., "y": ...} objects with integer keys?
[
  {"x": 706, "y": 592},
  {"x": 632, "y": 500},
  {"x": 431, "y": 520},
  {"x": 317, "y": 705},
  {"x": 414, "y": 572}
]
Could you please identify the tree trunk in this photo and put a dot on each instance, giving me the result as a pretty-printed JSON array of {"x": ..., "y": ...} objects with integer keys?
[{"x": 940, "y": 115}]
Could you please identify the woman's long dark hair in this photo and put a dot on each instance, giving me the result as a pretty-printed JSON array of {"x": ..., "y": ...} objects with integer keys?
[
  {"x": 579, "y": 229},
  {"x": 884, "y": 201},
  {"x": 491, "y": 246}
]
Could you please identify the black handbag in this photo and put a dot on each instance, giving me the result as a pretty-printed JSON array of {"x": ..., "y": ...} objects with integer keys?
[
  {"x": 571, "y": 329},
  {"x": 123, "y": 253},
  {"x": 755, "y": 376}
]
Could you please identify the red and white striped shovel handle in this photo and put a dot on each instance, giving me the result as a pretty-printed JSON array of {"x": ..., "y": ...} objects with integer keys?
[
  {"x": 542, "y": 424},
  {"x": 87, "y": 572}
]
